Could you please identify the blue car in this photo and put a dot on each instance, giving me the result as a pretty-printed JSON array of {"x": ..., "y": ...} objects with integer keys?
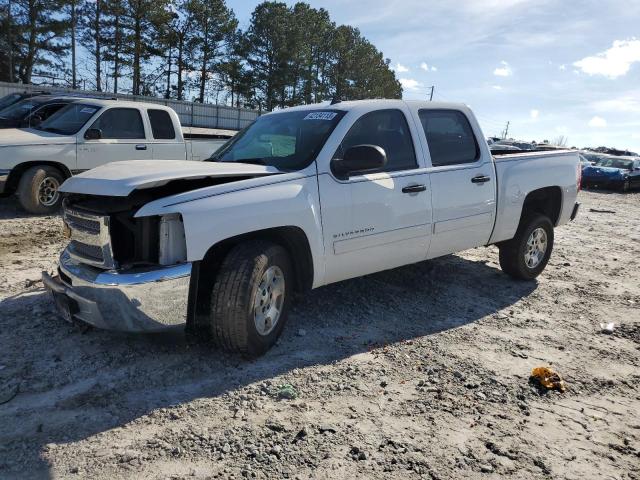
[{"x": 613, "y": 172}]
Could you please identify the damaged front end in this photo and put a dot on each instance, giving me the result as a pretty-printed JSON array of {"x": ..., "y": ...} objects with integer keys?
[
  {"x": 119, "y": 272},
  {"x": 126, "y": 272}
]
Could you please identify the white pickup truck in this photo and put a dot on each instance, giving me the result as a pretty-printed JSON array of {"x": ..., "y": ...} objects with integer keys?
[
  {"x": 302, "y": 198},
  {"x": 85, "y": 134}
]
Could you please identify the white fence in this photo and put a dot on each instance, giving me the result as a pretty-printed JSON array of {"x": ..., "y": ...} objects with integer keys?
[{"x": 191, "y": 114}]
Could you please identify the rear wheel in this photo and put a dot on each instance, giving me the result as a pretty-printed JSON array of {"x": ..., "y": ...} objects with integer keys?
[
  {"x": 38, "y": 189},
  {"x": 527, "y": 254},
  {"x": 250, "y": 298}
]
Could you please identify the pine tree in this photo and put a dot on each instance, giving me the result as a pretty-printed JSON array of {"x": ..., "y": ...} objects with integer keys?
[{"x": 38, "y": 37}]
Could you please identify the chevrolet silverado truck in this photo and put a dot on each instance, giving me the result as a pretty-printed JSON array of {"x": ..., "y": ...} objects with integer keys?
[
  {"x": 302, "y": 198},
  {"x": 84, "y": 134}
]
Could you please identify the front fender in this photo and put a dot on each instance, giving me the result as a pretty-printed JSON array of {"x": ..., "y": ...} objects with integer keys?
[
  {"x": 14, "y": 156},
  {"x": 212, "y": 219}
]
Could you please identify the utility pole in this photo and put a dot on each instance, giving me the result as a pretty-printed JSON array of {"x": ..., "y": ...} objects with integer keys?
[
  {"x": 433, "y": 87},
  {"x": 506, "y": 131}
]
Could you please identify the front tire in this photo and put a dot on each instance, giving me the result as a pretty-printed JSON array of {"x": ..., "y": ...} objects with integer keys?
[
  {"x": 251, "y": 297},
  {"x": 526, "y": 255},
  {"x": 38, "y": 189},
  {"x": 626, "y": 185}
]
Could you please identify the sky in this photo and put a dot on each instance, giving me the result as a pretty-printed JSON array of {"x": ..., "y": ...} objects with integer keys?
[{"x": 548, "y": 67}]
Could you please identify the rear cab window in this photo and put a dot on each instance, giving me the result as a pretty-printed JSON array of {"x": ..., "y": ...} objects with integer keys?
[
  {"x": 450, "y": 137},
  {"x": 161, "y": 125}
]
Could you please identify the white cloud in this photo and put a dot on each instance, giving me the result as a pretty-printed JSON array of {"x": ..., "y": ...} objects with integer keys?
[
  {"x": 497, "y": 87},
  {"x": 428, "y": 68},
  {"x": 628, "y": 102},
  {"x": 613, "y": 62},
  {"x": 534, "y": 114},
  {"x": 410, "y": 84},
  {"x": 597, "y": 122},
  {"x": 503, "y": 71},
  {"x": 401, "y": 68},
  {"x": 562, "y": 67}
]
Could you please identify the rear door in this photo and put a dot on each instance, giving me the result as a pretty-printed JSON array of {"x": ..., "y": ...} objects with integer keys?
[
  {"x": 378, "y": 220},
  {"x": 463, "y": 181},
  {"x": 123, "y": 138},
  {"x": 166, "y": 144}
]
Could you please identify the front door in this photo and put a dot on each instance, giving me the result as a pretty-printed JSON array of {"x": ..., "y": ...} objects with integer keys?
[
  {"x": 122, "y": 138},
  {"x": 378, "y": 220},
  {"x": 463, "y": 182}
]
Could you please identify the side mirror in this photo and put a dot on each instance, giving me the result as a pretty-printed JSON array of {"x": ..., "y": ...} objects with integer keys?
[
  {"x": 93, "y": 134},
  {"x": 359, "y": 159}
]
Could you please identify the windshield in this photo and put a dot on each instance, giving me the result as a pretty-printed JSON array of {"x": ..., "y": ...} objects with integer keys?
[
  {"x": 615, "y": 163},
  {"x": 69, "y": 119},
  {"x": 9, "y": 100},
  {"x": 287, "y": 140},
  {"x": 19, "y": 110}
]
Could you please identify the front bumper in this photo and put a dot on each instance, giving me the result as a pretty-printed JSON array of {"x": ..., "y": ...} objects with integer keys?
[
  {"x": 4, "y": 177},
  {"x": 148, "y": 300}
]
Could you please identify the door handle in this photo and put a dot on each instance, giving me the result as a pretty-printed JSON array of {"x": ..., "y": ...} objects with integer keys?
[
  {"x": 141, "y": 147},
  {"x": 481, "y": 179},
  {"x": 414, "y": 188}
]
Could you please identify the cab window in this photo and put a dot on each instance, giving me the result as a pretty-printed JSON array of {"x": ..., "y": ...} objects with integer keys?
[
  {"x": 387, "y": 129},
  {"x": 450, "y": 137},
  {"x": 161, "y": 125},
  {"x": 120, "y": 123}
]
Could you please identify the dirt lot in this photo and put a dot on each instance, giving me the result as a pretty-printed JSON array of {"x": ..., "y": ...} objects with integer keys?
[{"x": 420, "y": 372}]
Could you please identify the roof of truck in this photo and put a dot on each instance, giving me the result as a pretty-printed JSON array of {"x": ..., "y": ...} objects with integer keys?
[
  {"x": 390, "y": 103},
  {"x": 107, "y": 102}
]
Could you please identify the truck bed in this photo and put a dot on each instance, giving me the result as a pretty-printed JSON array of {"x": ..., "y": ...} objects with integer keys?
[{"x": 501, "y": 154}]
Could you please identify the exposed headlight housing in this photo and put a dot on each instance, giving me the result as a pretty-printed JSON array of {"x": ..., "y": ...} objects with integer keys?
[{"x": 172, "y": 244}]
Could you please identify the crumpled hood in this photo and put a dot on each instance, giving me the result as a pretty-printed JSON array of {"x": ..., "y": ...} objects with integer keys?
[
  {"x": 596, "y": 171},
  {"x": 14, "y": 137},
  {"x": 119, "y": 179}
]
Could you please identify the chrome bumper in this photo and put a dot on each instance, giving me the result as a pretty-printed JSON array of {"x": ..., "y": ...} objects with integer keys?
[{"x": 142, "y": 301}]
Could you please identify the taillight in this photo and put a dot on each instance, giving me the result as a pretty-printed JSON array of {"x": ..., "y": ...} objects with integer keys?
[{"x": 579, "y": 176}]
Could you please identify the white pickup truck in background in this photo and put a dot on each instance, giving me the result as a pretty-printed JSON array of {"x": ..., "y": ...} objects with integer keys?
[
  {"x": 88, "y": 133},
  {"x": 303, "y": 197}
]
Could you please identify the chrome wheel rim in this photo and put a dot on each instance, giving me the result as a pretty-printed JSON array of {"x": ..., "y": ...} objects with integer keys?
[
  {"x": 268, "y": 301},
  {"x": 48, "y": 191},
  {"x": 536, "y": 248}
]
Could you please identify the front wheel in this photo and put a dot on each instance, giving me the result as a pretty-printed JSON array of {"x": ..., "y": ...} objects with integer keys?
[
  {"x": 38, "y": 189},
  {"x": 526, "y": 255},
  {"x": 626, "y": 185},
  {"x": 251, "y": 297}
]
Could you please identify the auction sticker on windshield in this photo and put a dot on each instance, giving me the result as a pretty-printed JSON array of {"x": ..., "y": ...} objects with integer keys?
[{"x": 321, "y": 116}]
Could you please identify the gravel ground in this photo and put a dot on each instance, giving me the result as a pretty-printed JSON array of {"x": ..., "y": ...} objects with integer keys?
[{"x": 419, "y": 372}]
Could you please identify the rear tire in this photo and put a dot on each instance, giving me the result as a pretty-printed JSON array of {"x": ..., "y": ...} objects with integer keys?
[
  {"x": 250, "y": 299},
  {"x": 526, "y": 255},
  {"x": 38, "y": 189}
]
